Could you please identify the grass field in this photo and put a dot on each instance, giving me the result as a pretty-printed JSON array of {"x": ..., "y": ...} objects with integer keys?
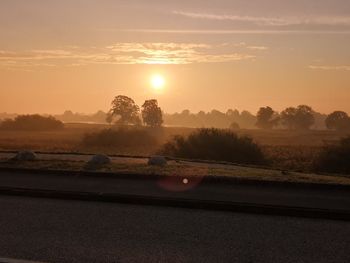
[
  {"x": 70, "y": 138},
  {"x": 286, "y": 149}
]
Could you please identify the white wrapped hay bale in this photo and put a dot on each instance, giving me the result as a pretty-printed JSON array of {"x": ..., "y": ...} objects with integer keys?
[
  {"x": 25, "y": 156},
  {"x": 157, "y": 160},
  {"x": 100, "y": 159}
]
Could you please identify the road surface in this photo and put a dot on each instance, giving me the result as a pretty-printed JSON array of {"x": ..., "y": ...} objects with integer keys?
[
  {"x": 194, "y": 189},
  {"x": 74, "y": 231}
]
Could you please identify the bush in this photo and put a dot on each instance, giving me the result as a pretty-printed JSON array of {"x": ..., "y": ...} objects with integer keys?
[
  {"x": 122, "y": 137},
  {"x": 335, "y": 158},
  {"x": 32, "y": 123},
  {"x": 217, "y": 145},
  {"x": 234, "y": 126}
]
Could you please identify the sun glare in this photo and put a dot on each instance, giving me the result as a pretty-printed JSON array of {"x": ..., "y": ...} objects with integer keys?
[{"x": 157, "y": 82}]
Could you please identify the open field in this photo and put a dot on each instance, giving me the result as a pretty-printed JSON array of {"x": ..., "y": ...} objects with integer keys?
[
  {"x": 286, "y": 150},
  {"x": 69, "y": 138}
]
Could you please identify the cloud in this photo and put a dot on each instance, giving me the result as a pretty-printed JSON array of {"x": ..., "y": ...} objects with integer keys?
[
  {"x": 261, "y": 48},
  {"x": 55, "y": 52},
  {"x": 323, "y": 67},
  {"x": 160, "y": 53},
  {"x": 227, "y": 32},
  {"x": 257, "y": 20},
  {"x": 223, "y": 58},
  {"x": 271, "y": 21},
  {"x": 127, "y": 53}
]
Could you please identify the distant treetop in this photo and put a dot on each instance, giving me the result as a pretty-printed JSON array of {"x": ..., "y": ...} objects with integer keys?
[{"x": 32, "y": 122}]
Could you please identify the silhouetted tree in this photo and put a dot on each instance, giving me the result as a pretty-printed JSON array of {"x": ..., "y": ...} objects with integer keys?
[
  {"x": 338, "y": 120},
  {"x": 266, "y": 118},
  {"x": 247, "y": 119},
  {"x": 185, "y": 113},
  {"x": 232, "y": 113},
  {"x": 152, "y": 114},
  {"x": 109, "y": 118},
  {"x": 288, "y": 117},
  {"x": 305, "y": 117},
  {"x": 320, "y": 121},
  {"x": 300, "y": 118},
  {"x": 126, "y": 109},
  {"x": 234, "y": 126},
  {"x": 218, "y": 119}
]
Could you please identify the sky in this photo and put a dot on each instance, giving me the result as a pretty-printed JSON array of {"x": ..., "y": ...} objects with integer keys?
[{"x": 78, "y": 54}]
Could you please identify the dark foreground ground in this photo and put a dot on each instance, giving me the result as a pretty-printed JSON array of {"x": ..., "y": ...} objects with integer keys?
[
  {"x": 305, "y": 196},
  {"x": 74, "y": 231}
]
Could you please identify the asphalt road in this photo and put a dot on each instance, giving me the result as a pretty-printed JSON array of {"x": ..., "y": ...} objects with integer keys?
[
  {"x": 75, "y": 231},
  {"x": 194, "y": 189}
]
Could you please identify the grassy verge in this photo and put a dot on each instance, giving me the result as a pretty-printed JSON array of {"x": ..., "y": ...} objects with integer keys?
[{"x": 184, "y": 169}]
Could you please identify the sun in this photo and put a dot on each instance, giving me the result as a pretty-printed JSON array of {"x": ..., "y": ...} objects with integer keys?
[{"x": 157, "y": 82}]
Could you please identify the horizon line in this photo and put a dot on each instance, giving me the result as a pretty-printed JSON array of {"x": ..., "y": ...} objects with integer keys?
[{"x": 225, "y": 32}]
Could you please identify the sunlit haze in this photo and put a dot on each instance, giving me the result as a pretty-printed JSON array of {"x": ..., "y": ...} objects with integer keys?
[
  {"x": 203, "y": 54},
  {"x": 157, "y": 82}
]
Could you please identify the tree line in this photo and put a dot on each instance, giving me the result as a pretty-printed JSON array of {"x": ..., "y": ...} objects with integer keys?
[
  {"x": 125, "y": 111},
  {"x": 300, "y": 118},
  {"x": 33, "y": 122}
]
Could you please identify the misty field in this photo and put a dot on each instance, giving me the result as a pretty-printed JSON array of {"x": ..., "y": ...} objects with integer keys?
[
  {"x": 70, "y": 139},
  {"x": 290, "y": 150}
]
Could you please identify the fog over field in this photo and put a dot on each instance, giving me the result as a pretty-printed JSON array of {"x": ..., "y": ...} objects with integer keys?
[{"x": 185, "y": 118}]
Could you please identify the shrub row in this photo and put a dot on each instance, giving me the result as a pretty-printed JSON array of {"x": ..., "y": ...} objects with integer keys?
[
  {"x": 217, "y": 145},
  {"x": 32, "y": 123},
  {"x": 122, "y": 137}
]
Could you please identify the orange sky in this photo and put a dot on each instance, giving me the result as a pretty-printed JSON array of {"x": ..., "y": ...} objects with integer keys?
[{"x": 77, "y": 55}]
